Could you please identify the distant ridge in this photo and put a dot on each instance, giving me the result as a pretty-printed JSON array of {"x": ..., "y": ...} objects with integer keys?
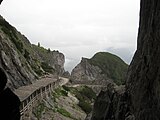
[{"x": 102, "y": 66}]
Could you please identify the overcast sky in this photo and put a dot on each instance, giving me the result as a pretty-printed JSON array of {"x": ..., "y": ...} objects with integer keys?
[{"x": 77, "y": 28}]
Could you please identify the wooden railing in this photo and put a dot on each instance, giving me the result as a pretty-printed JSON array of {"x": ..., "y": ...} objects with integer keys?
[{"x": 30, "y": 95}]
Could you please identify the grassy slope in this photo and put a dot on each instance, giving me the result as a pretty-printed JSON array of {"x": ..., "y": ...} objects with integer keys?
[{"x": 111, "y": 65}]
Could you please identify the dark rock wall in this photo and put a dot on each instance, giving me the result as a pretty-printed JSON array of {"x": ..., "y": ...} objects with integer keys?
[
  {"x": 141, "y": 100},
  {"x": 143, "y": 82},
  {"x": 111, "y": 104}
]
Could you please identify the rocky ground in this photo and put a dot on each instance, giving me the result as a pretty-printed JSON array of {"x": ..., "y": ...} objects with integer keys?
[{"x": 66, "y": 103}]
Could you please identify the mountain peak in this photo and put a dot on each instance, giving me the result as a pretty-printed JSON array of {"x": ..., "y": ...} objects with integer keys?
[{"x": 103, "y": 65}]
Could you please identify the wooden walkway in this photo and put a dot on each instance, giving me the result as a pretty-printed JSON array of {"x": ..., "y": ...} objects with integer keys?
[{"x": 31, "y": 94}]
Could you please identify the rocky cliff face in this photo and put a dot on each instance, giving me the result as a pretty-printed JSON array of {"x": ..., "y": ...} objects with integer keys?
[
  {"x": 85, "y": 72},
  {"x": 24, "y": 62},
  {"x": 111, "y": 104},
  {"x": 101, "y": 68},
  {"x": 18, "y": 73},
  {"x": 54, "y": 59},
  {"x": 143, "y": 85}
]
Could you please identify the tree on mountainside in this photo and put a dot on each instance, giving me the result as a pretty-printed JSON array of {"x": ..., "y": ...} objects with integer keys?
[{"x": 39, "y": 44}]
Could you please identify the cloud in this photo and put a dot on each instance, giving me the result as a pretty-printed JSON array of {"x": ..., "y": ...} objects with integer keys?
[{"x": 78, "y": 28}]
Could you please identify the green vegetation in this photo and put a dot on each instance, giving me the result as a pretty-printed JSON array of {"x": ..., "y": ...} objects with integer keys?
[
  {"x": 22, "y": 45},
  {"x": 11, "y": 33},
  {"x": 38, "y": 44},
  {"x": 36, "y": 67},
  {"x": 111, "y": 65},
  {"x": 49, "y": 50},
  {"x": 56, "y": 94},
  {"x": 64, "y": 112},
  {"x": 38, "y": 111},
  {"x": 85, "y": 95},
  {"x": 86, "y": 91},
  {"x": 40, "y": 49},
  {"x": 26, "y": 54},
  {"x": 42, "y": 63},
  {"x": 86, "y": 106},
  {"x": 37, "y": 71},
  {"x": 66, "y": 88},
  {"x": 37, "y": 56},
  {"x": 46, "y": 67},
  {"x": 45, "y": 56},
  {"x": 60, "y": 92}
]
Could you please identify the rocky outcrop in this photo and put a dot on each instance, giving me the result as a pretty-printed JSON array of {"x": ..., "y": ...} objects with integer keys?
[
  {"x": 24, "y": 62},
  {"x": 85, "y": 72},
  {"x": 142, "y": 86},
  {"x": 112, "y": 104},
  {"x": 102, "y": 68},
  {"x": 54, "y": 59}
]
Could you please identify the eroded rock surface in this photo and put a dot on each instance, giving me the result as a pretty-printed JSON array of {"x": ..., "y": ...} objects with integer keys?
[{"x": 85, "y": 72}]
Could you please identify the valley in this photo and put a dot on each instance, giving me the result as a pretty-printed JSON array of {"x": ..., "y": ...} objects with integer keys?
[
  {"x": 46, "y": 90},
  {"x": 102, "y": 87}
]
